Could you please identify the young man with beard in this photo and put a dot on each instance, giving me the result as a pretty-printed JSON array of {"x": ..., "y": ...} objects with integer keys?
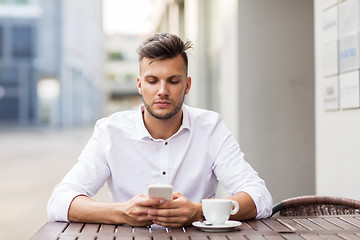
[{"x": 163, "y": 142}]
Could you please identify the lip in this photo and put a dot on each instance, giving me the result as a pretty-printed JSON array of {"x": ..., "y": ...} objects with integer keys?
[{"x": 162, "y": 103}]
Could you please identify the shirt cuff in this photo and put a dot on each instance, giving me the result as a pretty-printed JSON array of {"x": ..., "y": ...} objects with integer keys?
[
  {"x": 263, "y": 204},
  {"x": 58, "y": 207}
]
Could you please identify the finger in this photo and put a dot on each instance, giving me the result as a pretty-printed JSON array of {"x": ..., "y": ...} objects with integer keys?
[
  {"x": 167, "y": 213},
  {"x": 177, "y": 195},
  {"x": 149, "y": 202}
]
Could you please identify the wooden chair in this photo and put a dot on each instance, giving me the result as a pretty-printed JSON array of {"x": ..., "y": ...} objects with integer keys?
[{"x": 316, "y": 205}]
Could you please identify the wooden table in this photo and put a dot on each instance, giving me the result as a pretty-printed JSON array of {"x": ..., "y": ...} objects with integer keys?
[{"x": 322, "y": 227}]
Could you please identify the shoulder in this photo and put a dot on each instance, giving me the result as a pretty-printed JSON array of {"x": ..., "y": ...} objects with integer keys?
[
  {"x": 202, "y": 115},
  {"x": 118, "y": 120}
]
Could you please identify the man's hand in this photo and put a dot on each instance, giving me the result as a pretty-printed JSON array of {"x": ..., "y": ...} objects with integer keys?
[
  {"x": 176, "y": 213},
  {"x": 136, "y": 210}
]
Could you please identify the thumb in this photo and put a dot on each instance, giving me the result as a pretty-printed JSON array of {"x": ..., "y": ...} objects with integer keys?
[{"x": 176, "y": 195}]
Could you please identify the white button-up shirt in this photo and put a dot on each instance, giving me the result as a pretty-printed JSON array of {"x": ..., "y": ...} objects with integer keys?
[{"x": 122, "y": 153}]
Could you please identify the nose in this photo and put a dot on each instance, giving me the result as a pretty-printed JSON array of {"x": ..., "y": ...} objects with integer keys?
[{"x": 163, "y": 90}]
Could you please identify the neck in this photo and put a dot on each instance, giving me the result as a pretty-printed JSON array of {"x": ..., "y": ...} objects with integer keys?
[{"x": 162, "y": 128}]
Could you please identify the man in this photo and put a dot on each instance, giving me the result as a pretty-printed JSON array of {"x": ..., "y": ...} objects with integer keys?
[{"x": 164, "y": 142}]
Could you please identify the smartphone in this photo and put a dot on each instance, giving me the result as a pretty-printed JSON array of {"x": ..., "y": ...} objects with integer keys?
[{"x": 160, "y": 191}]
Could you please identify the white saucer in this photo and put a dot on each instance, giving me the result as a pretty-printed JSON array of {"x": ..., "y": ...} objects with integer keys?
[{"x": 227, "y": 226}]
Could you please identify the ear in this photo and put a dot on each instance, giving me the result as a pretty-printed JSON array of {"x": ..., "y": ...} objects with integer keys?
[
  {"x": 188, "y": 85},
  {"x": 139, "y": 85}
]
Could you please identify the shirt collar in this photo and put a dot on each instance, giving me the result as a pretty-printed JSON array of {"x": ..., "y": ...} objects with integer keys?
[{"x": 143, "y": 133}]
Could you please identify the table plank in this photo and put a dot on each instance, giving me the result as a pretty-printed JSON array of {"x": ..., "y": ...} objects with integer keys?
[
  {"x": 68, "y": 237},
  {"x": 86, "y": 237},
  {"x": 291, "y": 224},
  {"x": 292, "y": 236},
  {"x": 352, "y": 220},
  {"x": 158, "y": 229},
  {"x": 311, "y": 236},
  {"x": 349, "y": 236},
  {"x": 254, "y": 237},
  {"x": 277, "y": 226},
  {"x": 161, "y": 237},
  {"x": 120, "y": 229},
  {"x": 109, "y": 237},
  {"x": 217, "y": 237},
  {"x": 74, "y": 228},
  {"x": 199, "y": 237},
  {"x": 258, "y": 225},
  {"x": 142, "y": 238},
  {"x": 140, "y": 230},
  {"x": 180, "y": 237},
  {"x": 122, "y": 238},
  {"x": 236, "y": 237},
  {"x": 50, "y": 231},
  {"x": 191, "y": 229},
  {"x": 325, "y": 224},
  {"x": 245, "y": 227},
  {"x": 273, "y": 237},
  {"x": 339, "y": 222},
  {"x": 308, "y": 224},
  {"x": 330, "y": 236},
  {"x": 177, "y": 230},
  {"x": 91, "y": 228},
  {"x": 107, "y": 228}
]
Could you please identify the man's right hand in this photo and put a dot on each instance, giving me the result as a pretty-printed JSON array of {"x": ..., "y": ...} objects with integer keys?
[{"x": 135, "y": 211}]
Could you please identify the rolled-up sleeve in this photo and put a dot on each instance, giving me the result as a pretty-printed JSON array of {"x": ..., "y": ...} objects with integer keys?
[
  {"x": 236, "y": 175},
  {"x": 87, "y": 176}
]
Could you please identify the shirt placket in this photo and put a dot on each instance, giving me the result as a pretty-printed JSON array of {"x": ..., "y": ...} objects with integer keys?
[{"x": 164, "y": 163}]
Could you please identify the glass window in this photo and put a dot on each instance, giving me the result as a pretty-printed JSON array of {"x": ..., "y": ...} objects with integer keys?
[
  {"x": 21, "y": 1},
  {"x": 9, "y": 108},
  {"x": 14, "y": 1},
  {"x": 9, "y": 77},
  {"x": 116, "y": 56},
  {"x": 22, "y": 42},
  {"x": 1, "y": 41}
]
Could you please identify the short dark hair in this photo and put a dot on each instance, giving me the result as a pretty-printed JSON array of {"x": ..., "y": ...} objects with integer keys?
[{"x": 163, "y": 46}]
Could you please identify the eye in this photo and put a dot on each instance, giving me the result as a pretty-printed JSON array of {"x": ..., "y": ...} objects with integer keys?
[
  {"x": 151, "y": 80},
  {"x": 174, "y": 80}
]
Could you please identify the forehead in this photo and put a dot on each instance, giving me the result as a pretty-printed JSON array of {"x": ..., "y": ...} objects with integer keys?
[{"x": 162, "y": 66}]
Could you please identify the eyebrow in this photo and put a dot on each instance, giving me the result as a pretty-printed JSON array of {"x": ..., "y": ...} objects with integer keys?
[{"x": 172, "y": 76}]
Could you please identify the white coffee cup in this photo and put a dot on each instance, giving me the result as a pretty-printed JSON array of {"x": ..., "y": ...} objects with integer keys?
[{"x": 218, "y": 211}]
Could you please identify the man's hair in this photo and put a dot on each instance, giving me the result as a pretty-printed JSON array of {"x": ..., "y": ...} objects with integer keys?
[{"x": 164, "y": 46}]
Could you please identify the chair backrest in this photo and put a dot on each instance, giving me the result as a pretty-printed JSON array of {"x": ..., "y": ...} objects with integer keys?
[{"x": 317, "y": 205}]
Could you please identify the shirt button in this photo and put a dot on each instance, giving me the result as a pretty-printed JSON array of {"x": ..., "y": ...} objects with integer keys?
[
  {"x": 164, "y": 173},
  {"x": 166, "y": 143}
]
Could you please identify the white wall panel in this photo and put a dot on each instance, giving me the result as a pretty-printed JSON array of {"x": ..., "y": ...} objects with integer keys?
[
  {"x": 349, "y": 53},
  {"x": 349, "y": 90},
  {"x": 331, "y": 93}
]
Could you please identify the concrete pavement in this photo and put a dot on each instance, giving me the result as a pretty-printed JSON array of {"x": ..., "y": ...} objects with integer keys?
[{"x": 32, "y": 162}]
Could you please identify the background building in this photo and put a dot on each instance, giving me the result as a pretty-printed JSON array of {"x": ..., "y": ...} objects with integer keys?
[
  {"x": 122, "y": 69},
  {"x": 51, "y": 62}
]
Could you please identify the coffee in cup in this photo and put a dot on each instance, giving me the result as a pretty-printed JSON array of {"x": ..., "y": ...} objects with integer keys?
[{"x": 218, "y": 211}]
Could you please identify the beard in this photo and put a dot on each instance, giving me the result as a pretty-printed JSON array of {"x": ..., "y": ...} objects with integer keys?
[{"x": 166, "y": 115}]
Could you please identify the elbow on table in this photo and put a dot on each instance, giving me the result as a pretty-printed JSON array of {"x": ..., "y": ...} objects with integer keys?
[{"x": 54, "y": 212}]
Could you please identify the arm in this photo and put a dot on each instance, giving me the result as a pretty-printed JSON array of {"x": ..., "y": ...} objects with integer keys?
[
  {"x": 247, "y": 208},
  {"x": 238, "y": 177},
  {"x": 133, "y": 212},
  {"x": 85, "y": 178}
]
